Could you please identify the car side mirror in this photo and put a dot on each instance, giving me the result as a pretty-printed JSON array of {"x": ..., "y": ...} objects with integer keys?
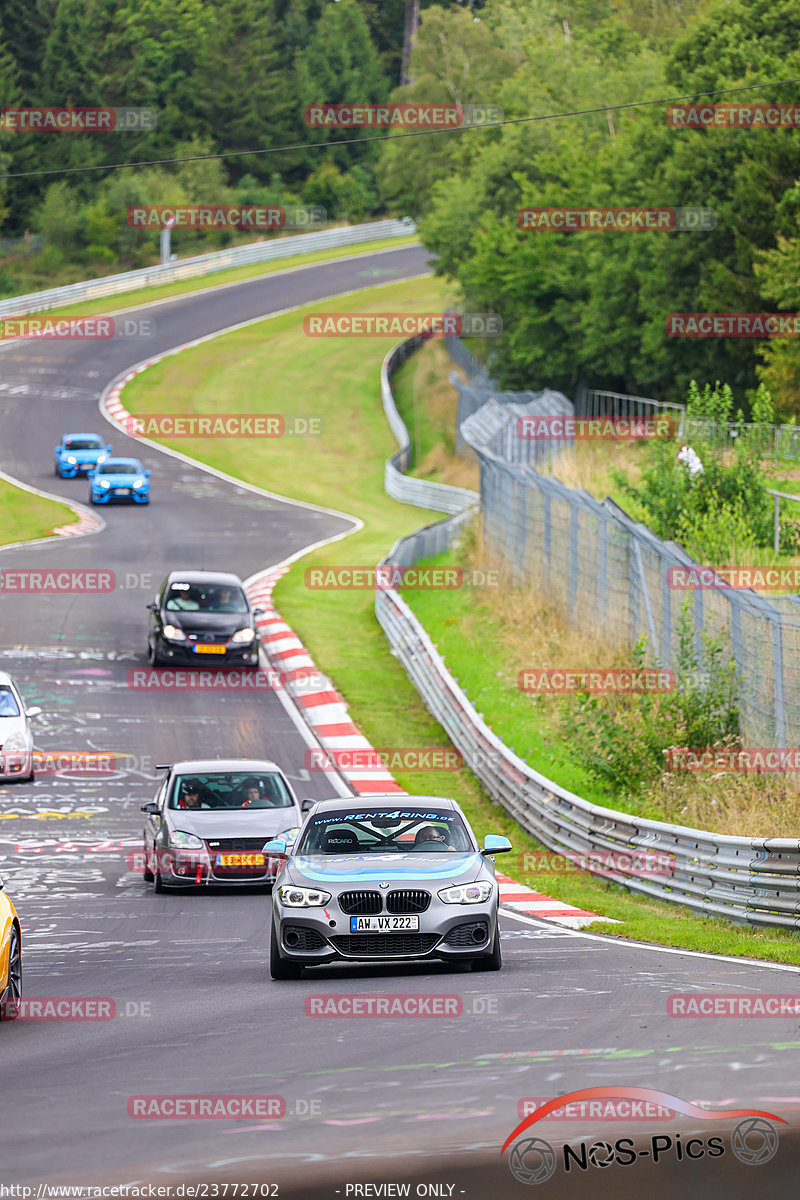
[
  {"x": 151, "y": 807},
  {"x": 34, "y": 712},
  {"x": 148, "y": 471},
  {"x": 108, "y": 449},
  {"x": 277, "y": 847},
  {"x": 90, "y": 473},
  {"x": 495, "y": 844},
  {"x": 153, "y": 607},
  {"x": 258, "y": 612},
  {"x": 307, "y": 804}
]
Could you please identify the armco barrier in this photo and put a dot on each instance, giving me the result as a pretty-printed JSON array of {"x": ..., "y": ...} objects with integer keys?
[
  {"x": 750, "y": 880},
  {"x": 204, "y": 264}
]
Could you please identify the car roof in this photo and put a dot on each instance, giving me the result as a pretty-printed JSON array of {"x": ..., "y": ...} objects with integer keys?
[
  {"x": 223, "y": 765},
  {"x": 6, "y": 680},
  {"x": 87, "y": 434},
  {"x": 108, "y": 461},
  {"x": 224, "y": 577}
]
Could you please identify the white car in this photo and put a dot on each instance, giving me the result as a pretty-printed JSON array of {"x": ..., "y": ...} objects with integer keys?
[{"x": 16, "y": 738}]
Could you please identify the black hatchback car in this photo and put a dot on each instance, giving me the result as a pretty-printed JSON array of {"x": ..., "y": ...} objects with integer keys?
[{"x": 202, "y": 617}]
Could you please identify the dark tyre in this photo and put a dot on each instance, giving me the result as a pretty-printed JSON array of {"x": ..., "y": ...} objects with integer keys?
[
  {"x": 56, "y": 470},
  {"x": 12, "y": 996},
  {"x": 493, "y": 961},
  {"x": 147, "y": 874},
  {"x": 279, "y": 968},
  {"x": 153, "y": 657},
  {"x": 158, "y": 883}
]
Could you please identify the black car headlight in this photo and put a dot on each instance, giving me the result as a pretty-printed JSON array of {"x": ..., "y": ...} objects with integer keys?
[{"x": 467, "y": 893}]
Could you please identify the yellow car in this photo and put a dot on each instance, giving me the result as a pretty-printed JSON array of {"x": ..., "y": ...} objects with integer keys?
[{"x": 10, "y": 959}]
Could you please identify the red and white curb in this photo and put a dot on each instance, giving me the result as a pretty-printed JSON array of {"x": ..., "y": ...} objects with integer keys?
[
  {"x": 535, "y": 904},
  {"x": 87, "y": 522}
]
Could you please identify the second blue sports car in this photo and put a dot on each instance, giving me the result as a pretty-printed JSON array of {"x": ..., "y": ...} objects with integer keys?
[
  {"x": 119, "y": 479},
  {"x": 78, "y": 453}
]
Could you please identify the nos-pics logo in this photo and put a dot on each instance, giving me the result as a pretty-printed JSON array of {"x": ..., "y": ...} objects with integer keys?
[{"x": 754, "y": 1140}]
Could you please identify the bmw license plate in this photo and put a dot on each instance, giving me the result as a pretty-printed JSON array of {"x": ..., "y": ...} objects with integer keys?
[
  {"x": 240, "y": 860},
  {"x": 204, "y": 648},
  {"x": 382, "y": 924}
]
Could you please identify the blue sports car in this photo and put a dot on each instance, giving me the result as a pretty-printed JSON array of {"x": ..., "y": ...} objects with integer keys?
[
  {"x": 120, "y": 479},
  {"x": 385, "y": 878},
  {"x": 79, "y": 453}
]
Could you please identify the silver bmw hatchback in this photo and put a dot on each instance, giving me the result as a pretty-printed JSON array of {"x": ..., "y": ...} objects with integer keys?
[{"x": 385, "y": 879}]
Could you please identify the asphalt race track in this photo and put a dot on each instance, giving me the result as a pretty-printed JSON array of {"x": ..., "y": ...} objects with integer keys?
[{"x": 425, "y": 1101}]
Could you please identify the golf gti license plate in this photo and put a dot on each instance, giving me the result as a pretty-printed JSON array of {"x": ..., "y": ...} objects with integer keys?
[
  {"x": 202, "y": 648},
  {"x": 382, "y": 924},
  {"x": 240, "y": 860}
]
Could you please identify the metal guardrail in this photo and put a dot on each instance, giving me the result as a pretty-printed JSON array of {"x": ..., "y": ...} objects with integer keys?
[
  {"x": 204, "y": 264},
  {"x": 423, "y": 493},
  {"x": 749, "y": 880}
]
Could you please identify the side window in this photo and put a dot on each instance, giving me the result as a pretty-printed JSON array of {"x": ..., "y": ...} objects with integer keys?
[{"x": 161, "y": 795}]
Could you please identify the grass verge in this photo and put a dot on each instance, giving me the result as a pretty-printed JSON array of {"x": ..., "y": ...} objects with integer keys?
[
  {"x": 273, "y": 367},
  {"x": 24, "y": 516}
]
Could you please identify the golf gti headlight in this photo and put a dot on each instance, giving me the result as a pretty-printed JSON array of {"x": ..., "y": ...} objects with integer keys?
[
  {"x": 301, "y": 897},
  {"x": 174, "y": 634},
  {"x": 185, "y": 841},
  {"x": 244, "y": 635},
  {"x": 468, "y": 893},
  {"x": 15, "y": 742},
  {"x": 289, "y": 834}
]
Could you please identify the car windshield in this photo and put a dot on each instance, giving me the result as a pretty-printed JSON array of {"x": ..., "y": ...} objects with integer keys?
[
  {"x": 8, "y": 702},
  {"x": 366, "y": 831},
  {"x": 230, "y": 791},
  {"x": 86, "y": 443},
  {"x": 205, "y": 597},
  {"x": 119, "y": 468}
]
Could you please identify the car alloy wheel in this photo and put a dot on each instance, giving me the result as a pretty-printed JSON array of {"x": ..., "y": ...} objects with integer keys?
[{"x": 11, "y": 999}]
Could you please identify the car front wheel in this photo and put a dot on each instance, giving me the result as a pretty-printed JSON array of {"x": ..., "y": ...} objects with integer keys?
[
  {"x": 11, "y": 998},
  {"x": 493, "y": 961},
  {"x": 279, "y": 968}
]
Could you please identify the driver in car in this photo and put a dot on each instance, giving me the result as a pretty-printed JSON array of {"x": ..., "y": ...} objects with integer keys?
[
  {"x": 190, "y": 797},
  {"x": 428, "y": 834}
]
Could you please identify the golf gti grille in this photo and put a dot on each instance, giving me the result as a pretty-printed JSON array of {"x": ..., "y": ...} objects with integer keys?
[
  {"x": 408, "y": 900},
  {"x": 361, "y": 903},
  {"x": 385, "y": 945},
  {"x": 226, "y": 845}
]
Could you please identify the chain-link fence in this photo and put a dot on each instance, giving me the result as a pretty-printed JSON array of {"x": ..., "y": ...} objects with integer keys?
[{"x": 615, "y": 575}]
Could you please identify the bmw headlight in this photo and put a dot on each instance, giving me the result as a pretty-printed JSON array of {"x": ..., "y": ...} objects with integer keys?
[
  {"x": 468, "y": 893},
  {"x": 244, "y": 635},
  {"x": 300, "y": 897},
  {"x": 15, "y": 742},
  {"x": 174, "y": 634},
  {"x": 185, "y": 841}
]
